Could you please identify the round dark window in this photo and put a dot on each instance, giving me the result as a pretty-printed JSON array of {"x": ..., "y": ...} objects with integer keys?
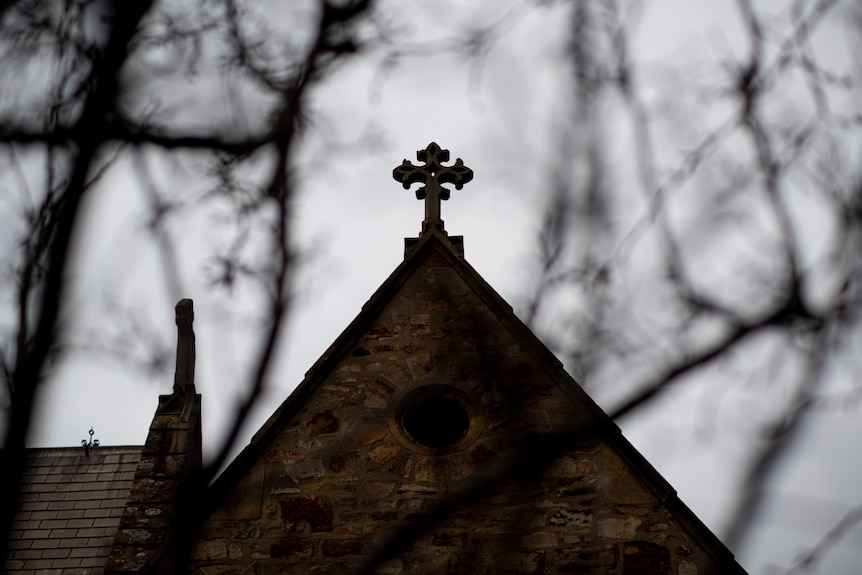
[{"x": 435, "y": 420}]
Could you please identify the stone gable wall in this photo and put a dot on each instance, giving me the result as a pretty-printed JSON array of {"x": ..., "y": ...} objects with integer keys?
[{"x": 344, "y": 472}]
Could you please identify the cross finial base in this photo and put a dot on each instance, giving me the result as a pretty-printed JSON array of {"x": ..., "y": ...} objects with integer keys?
[
  {"x": 434, "y": 224},
  {"x": 455, "y": 242}
]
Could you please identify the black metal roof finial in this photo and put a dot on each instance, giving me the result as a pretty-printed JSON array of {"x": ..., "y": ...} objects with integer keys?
[{"x": 93, "y": 443}]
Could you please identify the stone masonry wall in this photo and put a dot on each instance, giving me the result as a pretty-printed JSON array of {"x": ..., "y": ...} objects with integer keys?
[
  {"x": 345, "y": 472},
  {"x": 172, "y": 451}
]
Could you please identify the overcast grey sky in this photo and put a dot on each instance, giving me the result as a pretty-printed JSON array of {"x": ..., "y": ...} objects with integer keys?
[{"x": 502, "y": 114}]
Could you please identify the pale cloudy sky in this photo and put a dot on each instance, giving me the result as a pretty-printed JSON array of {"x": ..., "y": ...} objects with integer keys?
[{"x": 502, "y": 119}]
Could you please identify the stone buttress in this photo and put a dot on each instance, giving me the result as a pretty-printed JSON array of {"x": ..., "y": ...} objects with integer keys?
[{"x": 159, "y": 494}]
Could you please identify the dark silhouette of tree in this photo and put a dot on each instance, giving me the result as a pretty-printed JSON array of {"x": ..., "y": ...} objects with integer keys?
[{"x": 95, "y": 54}]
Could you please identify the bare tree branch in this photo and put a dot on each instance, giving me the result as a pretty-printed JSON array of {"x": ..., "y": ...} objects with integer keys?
[
  {"x": 809, "y": 561},
  {"x": 37, "y": 346}
]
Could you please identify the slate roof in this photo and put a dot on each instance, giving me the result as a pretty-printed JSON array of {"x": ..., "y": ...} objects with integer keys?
[{"x": 69, "y": 511}]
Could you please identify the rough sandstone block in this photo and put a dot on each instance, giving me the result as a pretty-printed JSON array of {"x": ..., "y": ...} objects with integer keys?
[
  {"x": 645, "y": 558},
  {"x": 342, "y": 547},
  {"x": 322, "y": 423},
  {"x": 290, "y": 546},
  {"x": 306, "y": 514}
]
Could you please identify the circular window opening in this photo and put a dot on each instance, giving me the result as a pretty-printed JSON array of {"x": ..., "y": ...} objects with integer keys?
[{"x": 435, "y": 420}]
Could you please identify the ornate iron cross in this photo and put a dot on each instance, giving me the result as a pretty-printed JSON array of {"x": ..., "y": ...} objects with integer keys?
[{"x": 432, "y": 174}]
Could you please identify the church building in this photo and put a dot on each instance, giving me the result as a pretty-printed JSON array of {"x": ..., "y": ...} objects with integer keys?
[{"x": 436, "y": 435}]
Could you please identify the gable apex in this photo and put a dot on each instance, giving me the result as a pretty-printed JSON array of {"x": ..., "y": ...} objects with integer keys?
[
  {"x": 434, "y": 248},
  {"x": 435, "y": 380}
]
